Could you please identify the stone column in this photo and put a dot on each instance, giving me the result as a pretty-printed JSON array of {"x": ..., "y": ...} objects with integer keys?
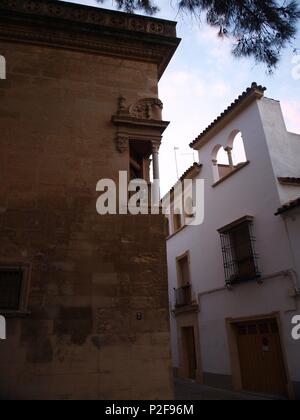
[
  {"x": 230, "y": 158},
  {"x": 155, "y": 150},
  {"x": 216, "y": 174},
  {"x": 156, "y": 179}
]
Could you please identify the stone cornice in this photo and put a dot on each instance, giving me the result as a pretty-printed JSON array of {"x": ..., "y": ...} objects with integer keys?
[
  {"x": 67, "y": 25},
  {"x": 160, "y": 126}
]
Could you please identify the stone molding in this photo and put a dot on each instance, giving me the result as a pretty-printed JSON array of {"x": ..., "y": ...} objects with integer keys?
[
  {"x": 141, "y": 120},
  {"x": 91, "y": 15},
  {"x": 72, "y": 26},
  {"x": 147, "y": 109}
]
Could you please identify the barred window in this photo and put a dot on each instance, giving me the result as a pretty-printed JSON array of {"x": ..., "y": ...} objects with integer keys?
[
  {"x": 12, "y": 282},
  {"x": 238, "y": 247}
]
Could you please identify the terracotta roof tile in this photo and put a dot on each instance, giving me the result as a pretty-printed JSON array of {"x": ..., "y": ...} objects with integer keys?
[
  {"x": 248, "y": 93},
  {"x": 189, "y": 170},
  {"x": 288, "y": 206},
  {"x": 195, "y": 166},
  {"x": 289, "y": 181}
]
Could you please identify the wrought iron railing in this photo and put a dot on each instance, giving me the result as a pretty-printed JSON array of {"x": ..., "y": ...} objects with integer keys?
[
  {"x": 239, "y": 269},
  {"x": 183, "y": 296}
]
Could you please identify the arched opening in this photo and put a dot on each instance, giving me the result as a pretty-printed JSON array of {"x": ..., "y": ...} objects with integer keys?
[
  {"x": 224, "y": 166},
  {"x": 227, "y": 159},
  {"x": 236, "y": 143},
  {"x": 221, "y": 164}
]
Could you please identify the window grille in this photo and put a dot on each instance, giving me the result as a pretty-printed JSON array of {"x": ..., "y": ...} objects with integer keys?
[{"x": 239, "y": 254}]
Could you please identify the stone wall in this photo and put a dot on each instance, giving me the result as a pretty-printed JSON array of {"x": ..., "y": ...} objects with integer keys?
[{"x": 92, "y": 277}]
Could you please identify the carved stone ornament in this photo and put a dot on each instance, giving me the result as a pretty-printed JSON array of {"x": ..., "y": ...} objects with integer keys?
[
  {"x": 91, "y": 15},
  {"x": 145, "y": 113},
  {"x": 121, "y": 104},
  {"x": 147, "y": 109},
  {"x": 84, "y": 28},
  {"x": 122, "y": 143}
]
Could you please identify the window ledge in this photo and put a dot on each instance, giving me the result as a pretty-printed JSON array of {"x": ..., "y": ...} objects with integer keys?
[
  {"x": 233, "y": 172},
  {"x": 257, "y": 278},
  {"x": 192, "y": 307}
]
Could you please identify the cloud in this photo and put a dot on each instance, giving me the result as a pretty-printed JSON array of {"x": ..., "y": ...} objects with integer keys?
[{"x": 192, "y": 99}]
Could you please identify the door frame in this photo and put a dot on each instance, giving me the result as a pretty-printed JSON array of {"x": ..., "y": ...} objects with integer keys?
[
  {"x": 189, "y": 319},
  {"x": 234, "y": 350}
]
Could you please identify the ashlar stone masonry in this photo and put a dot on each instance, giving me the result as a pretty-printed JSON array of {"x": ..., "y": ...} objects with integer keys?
[{"x": 92, "y": 321}]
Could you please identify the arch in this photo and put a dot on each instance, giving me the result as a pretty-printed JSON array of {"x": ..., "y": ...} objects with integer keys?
[
  {"x": 220, "y": 162},
  {"x": 216, "y": 150},
  {"x": 222, "y": 157},
  {"x": 232, "y": 137},
  {"x": 236, "y": 143}
]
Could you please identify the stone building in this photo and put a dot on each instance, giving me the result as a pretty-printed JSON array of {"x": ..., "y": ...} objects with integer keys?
[
  {"x": 84, "y": 296},
  {"x": 237, "y": 275}
]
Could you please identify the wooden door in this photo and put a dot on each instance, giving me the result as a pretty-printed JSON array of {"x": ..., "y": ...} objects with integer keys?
[
  {"x": 189, "y": 352},
  {"x": 261, "y": 357}
]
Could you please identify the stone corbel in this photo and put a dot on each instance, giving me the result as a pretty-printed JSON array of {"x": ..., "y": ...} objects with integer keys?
[{"x": 122, "y": 143}]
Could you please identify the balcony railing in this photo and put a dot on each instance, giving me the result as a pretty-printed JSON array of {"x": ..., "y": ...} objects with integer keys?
[{"x": 183, "y": 296}]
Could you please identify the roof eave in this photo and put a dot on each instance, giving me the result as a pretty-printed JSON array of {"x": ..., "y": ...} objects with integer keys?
[
  {"x": 288, "y": 207},
  {"x": 255, "y": 94}
]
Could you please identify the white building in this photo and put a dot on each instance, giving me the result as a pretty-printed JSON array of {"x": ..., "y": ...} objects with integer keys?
[{"x": 234, "y": 281}]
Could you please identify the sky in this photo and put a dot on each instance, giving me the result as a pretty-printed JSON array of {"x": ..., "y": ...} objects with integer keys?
[{"x": 203, "y": 79}]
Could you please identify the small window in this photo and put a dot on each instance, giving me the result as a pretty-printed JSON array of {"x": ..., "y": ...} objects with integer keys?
[
  {"x": 12, "y": 288},
  {"x": 238, "y": 247}
]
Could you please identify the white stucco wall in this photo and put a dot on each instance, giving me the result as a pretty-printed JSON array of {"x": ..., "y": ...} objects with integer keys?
[
  {"x": 288, "y": 192},
  {"x": 251, "y": 191},
  {"x": 292, "y": 223},
  {"x": 284, "y": 147}
]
